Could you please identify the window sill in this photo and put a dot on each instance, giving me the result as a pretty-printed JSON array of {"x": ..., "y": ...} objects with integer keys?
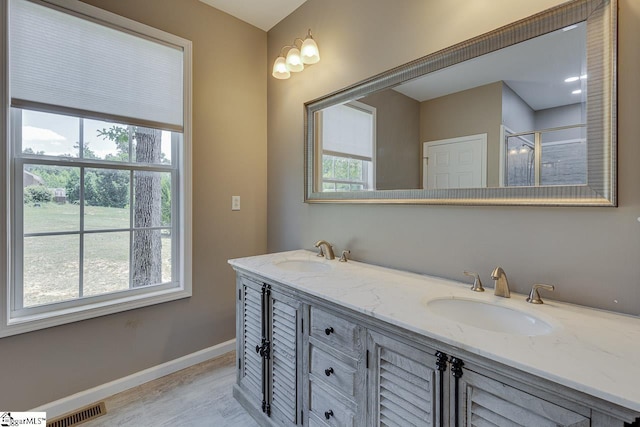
[{"x": 22, "y": 324}]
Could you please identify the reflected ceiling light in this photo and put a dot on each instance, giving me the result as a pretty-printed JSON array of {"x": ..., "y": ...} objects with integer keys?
[
  {"x": 297, "y": 56},
  {"x": 577, "y": 91},
  {"x": 575, "y": 78},
  {"x": 570, "y": 27}
]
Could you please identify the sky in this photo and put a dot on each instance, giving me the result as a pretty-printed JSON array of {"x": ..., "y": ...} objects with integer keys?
[{"x": 57, "y": 134}]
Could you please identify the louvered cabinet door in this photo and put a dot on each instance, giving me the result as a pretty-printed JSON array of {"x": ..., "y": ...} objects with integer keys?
[
  {"x": 285, "y": 321},
  {"x": 486, "y": 402},
  {"x": 404, "y": 385},
  {"x": 250, "y": 334}
]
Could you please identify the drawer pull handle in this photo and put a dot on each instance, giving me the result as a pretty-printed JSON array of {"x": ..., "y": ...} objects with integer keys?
[
  {"x": 329, "y": 330},
  {"x": 257, "y": 349},
  {"x": 328, "y": 372},
  {"x": 328, "y": 414}
]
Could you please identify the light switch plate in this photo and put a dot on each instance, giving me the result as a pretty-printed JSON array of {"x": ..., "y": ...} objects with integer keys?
[{"x": 235, "y": 203}]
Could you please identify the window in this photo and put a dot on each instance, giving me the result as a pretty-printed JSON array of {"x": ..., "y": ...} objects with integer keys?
[
  {"x": 97, "y": 164},
  {"x": 347, "y": 135}
]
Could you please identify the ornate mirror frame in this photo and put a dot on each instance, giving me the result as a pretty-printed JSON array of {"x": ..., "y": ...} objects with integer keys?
[{"x": 601, "y": 18}]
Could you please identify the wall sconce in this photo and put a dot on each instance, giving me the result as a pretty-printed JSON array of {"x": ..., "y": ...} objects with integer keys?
[{"x": 296, "y": 58}]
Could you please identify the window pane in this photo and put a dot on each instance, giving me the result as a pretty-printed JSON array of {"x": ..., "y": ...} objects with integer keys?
[
  {"x": 328, "y": 186},
  {"x": 342, "y": 168},
  {"x": 355, "y": 170},
  {"x": 153, "y": 145},
  {"x": 148, "y": 257},
  {"x": 50, "y": 134},
  {"x": 51, "y": 269},
  {"x": 106, "y": 198},
  {"x": 106, "y": 141},
  {"x": 47, "y": 205},
  {"x": 152, "y": 196},
  {"x": 327, "y": 166},
  {"x": 106, "y": 263}
]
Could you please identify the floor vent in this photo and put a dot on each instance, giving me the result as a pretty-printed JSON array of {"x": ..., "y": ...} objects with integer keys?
[{"x": 80, "y": 416}]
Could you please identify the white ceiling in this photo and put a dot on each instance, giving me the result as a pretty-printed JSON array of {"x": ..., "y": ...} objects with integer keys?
[
  {"x": 263, "y": 14},
  {"x": 535, "y": 70}
]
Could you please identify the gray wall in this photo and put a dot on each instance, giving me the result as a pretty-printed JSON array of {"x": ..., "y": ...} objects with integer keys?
[
  {"x": 397, "y": 140},
  {"x": 517, "y": 116},
  {"x": 572, "y": 114},
  {"x": 229, "y": 158},
  {"x": 469, "y": 112},
  {"x": 591, "y": 254}
]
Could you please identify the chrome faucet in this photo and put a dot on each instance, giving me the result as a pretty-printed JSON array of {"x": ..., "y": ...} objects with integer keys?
[
  {"x": 325, "y": 249},
  {"x": 501, "y": 287}
]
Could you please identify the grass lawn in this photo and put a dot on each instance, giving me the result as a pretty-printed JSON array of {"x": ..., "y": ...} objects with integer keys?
[{"x": 52, "y": 263}]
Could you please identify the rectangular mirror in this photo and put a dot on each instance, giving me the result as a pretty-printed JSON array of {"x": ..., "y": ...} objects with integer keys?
[{"x": 523, "y": 115}]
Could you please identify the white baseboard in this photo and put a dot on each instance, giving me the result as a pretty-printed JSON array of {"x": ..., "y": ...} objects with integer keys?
[{"x": 71, "y": 403}]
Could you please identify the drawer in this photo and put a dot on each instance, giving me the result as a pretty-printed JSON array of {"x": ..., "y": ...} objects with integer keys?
[
  {"x": 335, "y": 331},
  {"x": 328, "y": 408},
  {"x": 332, "y": 371}
]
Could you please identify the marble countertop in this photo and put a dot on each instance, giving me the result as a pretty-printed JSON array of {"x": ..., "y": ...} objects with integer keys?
[{"x": 593, "y": 351}]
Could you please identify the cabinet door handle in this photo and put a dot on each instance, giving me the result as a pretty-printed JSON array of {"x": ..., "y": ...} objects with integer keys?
[
  {"x": 328, "y": 414},
  {"x": 328, "y": 372},
  {"x": 257, "y": 349},
  {"x": 329, "y": 330}
]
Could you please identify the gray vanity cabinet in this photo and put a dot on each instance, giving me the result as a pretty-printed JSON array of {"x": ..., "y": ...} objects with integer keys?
[
  {"x": 413, "y": 387},
  {"x": 334, "y": 359},
  {"x": 405, "y": 386},
  {"x": 305, "y": 361},
  {"x": 268, "y": 349},
  {"x": 250, "y": 333},
  {"x": 484, "y": 401}
]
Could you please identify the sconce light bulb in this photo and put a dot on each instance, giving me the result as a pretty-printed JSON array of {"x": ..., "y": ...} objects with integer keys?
[
  {"x": 280, "y": 70},
  {"x": 294, "y": 61},
  {"x": 309, "y": 50}
]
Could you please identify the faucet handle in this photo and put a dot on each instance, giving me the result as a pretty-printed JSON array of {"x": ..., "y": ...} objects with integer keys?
[
  {"x": 321, "y": 253},
  {"x": 343, "y": 257},
  {"x": 477, "y": 284},
  {"x": 534, "y": 295}
]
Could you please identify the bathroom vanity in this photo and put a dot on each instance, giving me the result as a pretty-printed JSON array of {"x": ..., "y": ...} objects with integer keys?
[{"x": 327, "y": 343}]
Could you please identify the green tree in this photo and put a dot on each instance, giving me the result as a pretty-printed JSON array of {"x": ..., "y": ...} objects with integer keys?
[
  {"x": 37, "y": 194},
  {"x": 29, "y": 150},
  {"x": 113, "y": 188},
  {"x": 166, "y": 200},
  {"x": 120, "y": 136}
]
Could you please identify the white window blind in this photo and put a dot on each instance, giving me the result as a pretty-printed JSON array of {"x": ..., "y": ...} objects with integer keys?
[
  {"x": 348, "y": 130},
  {"x": 77, "y": 65}
]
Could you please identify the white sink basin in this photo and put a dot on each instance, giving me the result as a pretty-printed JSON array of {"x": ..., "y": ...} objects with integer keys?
[
  {"x": 303, "y": 266},
  {"x": 489, "y": 316}
]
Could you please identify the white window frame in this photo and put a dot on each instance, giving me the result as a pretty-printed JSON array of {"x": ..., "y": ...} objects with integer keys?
[{"x": 12, "y": 322}]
